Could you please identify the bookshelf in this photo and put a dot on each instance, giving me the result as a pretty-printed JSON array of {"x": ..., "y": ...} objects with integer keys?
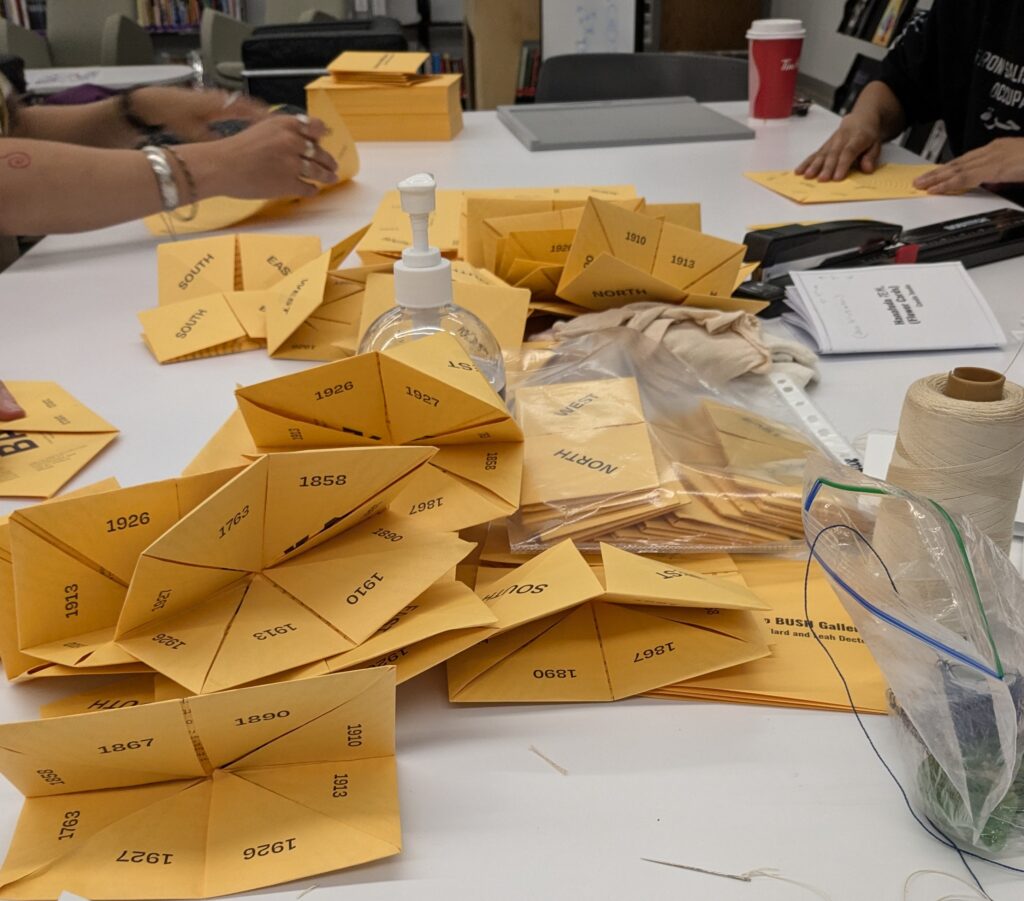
[
  {"x": 157, "y": 16},
  {"x": 876, "y": 21}
]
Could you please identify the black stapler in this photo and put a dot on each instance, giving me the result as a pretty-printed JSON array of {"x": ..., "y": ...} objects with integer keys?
[{"x": 971, "y": 240}]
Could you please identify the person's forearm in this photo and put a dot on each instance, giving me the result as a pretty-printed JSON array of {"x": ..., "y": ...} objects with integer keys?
[
  {"x": 52, "y": 188},
  {"x": 882, "y": 107},
  {"x": 100, "y": 124}
]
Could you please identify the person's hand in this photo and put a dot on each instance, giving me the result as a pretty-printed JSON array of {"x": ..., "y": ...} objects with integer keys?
[
  {"x": 277, "y": 157},
  {"x": 857, "y": 140},
  {"x": 999, "y": 161},
  {"x": 188, "y": 114},
  {"x": 9, "y": 409}
]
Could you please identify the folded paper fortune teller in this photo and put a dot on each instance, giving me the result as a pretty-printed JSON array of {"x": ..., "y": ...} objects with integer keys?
[
  {"x": 568, "y": 633},
  {"x": 205, "y": 796},
  {"x": 45, "y": 448},
  {"x": 619, "y": 257},
  {"x": 74, "y": 557},
  {"x": 284, "y": 565},
  {"x": 426, "y": 392}
]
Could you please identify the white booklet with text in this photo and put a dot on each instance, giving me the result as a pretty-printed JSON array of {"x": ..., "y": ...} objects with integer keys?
[{"x": 878, "y": 309}]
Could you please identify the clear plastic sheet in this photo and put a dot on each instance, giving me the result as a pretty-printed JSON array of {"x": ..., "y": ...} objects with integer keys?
[
  {"x": 942, "y": 610},
  {"x": 627, "y": 445}
]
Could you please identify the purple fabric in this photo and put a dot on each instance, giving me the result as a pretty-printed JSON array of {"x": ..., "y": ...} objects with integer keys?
[{"x": 83, "y": 93}]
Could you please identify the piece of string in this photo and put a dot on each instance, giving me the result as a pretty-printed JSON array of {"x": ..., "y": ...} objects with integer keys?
[
  {"x": 748, "y": 876},
  {"x": 929, "y": 827},
  {"x": 973, "y": 896},
  {"x": 550, "y": 762}
]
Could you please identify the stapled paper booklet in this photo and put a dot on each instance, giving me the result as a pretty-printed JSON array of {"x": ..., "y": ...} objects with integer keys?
[{"x": 881, "y": 309}]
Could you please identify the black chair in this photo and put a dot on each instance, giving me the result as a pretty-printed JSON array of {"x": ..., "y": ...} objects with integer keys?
[{"x": 627, "y": 76}]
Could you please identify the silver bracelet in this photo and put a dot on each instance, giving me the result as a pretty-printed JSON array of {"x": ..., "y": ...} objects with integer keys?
[{"x": 165, "y": 180}]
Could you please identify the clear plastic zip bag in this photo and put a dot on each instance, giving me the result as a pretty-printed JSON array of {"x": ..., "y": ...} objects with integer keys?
[{"x": 942, "y": 610}]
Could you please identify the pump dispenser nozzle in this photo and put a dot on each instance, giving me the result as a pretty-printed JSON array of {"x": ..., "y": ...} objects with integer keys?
[{"x": 423, "y": 293}]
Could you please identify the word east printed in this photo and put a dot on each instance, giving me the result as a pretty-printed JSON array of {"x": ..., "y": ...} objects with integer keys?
[{"x": 15, "y": 443}]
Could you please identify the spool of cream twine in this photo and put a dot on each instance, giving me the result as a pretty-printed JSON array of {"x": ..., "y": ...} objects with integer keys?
[{"x": 964, "y": 451}]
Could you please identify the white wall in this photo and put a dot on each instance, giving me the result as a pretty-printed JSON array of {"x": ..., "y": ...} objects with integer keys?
[{"x": 827, "y": 55}]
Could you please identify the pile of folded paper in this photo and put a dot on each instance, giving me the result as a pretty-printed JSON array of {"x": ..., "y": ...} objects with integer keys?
[
  {"x": 224, "y": 578},
  {"x": 383, "y": 97}
]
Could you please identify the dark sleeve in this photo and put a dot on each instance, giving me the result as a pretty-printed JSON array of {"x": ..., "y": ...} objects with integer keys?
[{"x": 911, "y": 68}]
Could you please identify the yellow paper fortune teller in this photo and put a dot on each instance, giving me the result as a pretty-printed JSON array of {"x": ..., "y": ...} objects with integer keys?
[
  {"x": 214, "y": 293},
  {"x": 893, "y": 181},
  {"x": 286, "y": 564},
  {"x": 74, "y": 557},
  {"x": 426, "y": 392},
  {"x": 55, "y": 438},
  {"x": 377, "y": 67},
  {"x": 205, "y": 796},
  {"x": 312, "y": 316},
  {"x": 216, "y": 213},
  {"x": 562, "y": 635},
  {"x": 620, "y": 257}
]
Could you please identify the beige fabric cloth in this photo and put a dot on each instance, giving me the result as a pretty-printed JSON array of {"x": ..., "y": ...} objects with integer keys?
[{"x": 719, "y": 345}]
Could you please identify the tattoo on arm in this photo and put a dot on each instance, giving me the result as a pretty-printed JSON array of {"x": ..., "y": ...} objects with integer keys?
[{"x": 16, "y": 160}]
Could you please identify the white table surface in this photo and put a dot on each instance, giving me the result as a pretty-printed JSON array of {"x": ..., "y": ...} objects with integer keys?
[
  {"x": 60, "y": 78},
  {"x": 722, "y": 787}
]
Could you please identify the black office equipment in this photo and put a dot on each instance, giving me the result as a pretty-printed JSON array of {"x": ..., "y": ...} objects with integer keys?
[{"x": 280, "y": 60}]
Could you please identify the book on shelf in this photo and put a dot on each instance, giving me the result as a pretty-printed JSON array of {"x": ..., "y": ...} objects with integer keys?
[
  {"x": 181, "y": 15},
  {"x": 878, "y": 309},
  {"x": 877, "y": 21},
  {"x": 529, "y": 70},
  {"x": 26, "y": 13}
]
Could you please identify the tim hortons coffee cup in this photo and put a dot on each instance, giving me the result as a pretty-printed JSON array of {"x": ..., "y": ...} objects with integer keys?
[{"x": 775, "y": 46}]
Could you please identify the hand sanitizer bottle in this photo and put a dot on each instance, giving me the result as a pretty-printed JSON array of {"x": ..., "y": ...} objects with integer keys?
[{"x": 423, "y": 294}]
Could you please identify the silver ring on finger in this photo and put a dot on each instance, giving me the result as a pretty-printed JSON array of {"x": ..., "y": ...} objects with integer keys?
[
  {"x": 305, "y": 169},
  {"x": 310, "y": 151}
]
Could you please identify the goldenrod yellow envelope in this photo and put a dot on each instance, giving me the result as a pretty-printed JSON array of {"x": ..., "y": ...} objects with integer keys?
[
  {"x": 55, "y": 438},
  {"x": 216, "y": 213},
  {"x": 205, "y": 796},
  {"x": 562, "y": 636},
  {"x": 501, "y": 308},
  {"x": 424, "y": 392},
  {"x": 798, "y": 673},
  {"x": 300, "y": 321},
  {"x": 376, "y": 67},
  {"x": 889, "y": 182},
  {"x": 73, "y": 559},
  {"x": 205, "y": 327},
  {"x": 619, "y": 257},
  {"x": 282, "y": 566}
]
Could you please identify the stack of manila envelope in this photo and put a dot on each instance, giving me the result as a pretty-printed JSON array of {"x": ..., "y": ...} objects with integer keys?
[
  {"x": 216, "y": 213},
  {"x": 213, "y": 292},
  {"x": 589, "y": 465},
  {"x": 55, "y": 439},
  {"x": 742, "y": 474},
  {"x": 73, "y": 558},
  {"x": 382, "y": 96},
  {"x": 426, "y": 392},
  {"x": 620, "y": 257},
  {"x": 595, "y": 466},
  {"x": 502, "y": 309},
  {"x": 205, "y": 796},
  {"x": 798, "y": 673},
  {"x": 564, "y": 634},
  {"x": 455, "y": 221},
  {"x": 284, "y": 565}
]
